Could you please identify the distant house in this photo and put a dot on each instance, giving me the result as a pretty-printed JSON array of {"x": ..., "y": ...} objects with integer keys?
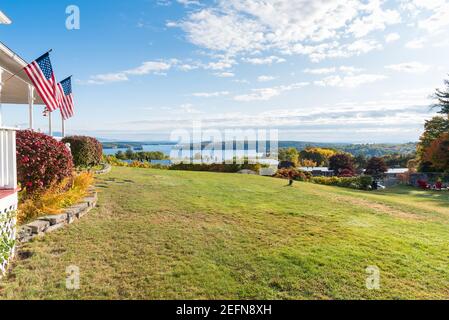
[{"x": 395, "y": 172}]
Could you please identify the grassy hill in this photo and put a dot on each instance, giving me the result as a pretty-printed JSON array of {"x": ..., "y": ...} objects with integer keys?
[{"x": 171, "y": 234}]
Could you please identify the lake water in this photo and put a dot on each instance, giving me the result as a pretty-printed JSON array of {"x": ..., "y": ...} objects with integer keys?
[{"x": 208, "y": 155}]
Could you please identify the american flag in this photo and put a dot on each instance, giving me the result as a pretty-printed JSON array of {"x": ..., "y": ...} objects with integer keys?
[
  {"x": 65, "y": 98},
  {"x": 41, "y": 74}
]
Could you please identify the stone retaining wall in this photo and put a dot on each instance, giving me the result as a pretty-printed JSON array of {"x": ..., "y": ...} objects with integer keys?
[
  {"x": 52, "y": 223},
  {"x": 106, "y": 169}
]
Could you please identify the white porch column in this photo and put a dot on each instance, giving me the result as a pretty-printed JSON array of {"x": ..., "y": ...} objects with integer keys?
[{"x": 31, "y": 104}]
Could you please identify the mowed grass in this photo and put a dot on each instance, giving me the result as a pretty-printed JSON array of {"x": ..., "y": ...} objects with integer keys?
[{"x": 190, "y": 235}]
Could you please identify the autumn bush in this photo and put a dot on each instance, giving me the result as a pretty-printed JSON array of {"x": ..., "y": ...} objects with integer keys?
[
  {"x": 51, "y": 201},
  {"x": 293, "y": 173},
  {"x": 42, "y": 161},
  {"x": 86, "y": 151}
]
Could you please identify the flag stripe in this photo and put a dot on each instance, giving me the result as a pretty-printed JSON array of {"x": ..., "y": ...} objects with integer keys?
[
  {"x": 41, "y": 74},
  {"x": 46, "y": 88},
  {"x": 65, "y": 100},
  {"x": 40, "y": 88}
]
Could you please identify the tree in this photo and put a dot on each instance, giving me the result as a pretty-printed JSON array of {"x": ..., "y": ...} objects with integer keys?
[
  {"x": 290, "y": 155},
  {"x": 442, "y": 97},
  {"x": 438, "y": 153},
  {"x": 433, "y": 129},
  {"x": 341, "y": 162},
  {"x": 120, "y": 155},
  {"x": 129, "y": 154},
  {"x": 360, "y": 162},
  {"x": 308, "y": 163},
  {"x": 376, "y": 167},
  {"x": 318, "y": 155}
]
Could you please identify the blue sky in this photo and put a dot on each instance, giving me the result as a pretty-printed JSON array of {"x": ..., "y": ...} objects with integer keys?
[{"x": 334, "y": 71}]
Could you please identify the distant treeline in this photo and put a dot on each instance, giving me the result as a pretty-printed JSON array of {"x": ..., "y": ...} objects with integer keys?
[
  {"x": 367, "y": 150},
  {"x": 141, "y": 155}
]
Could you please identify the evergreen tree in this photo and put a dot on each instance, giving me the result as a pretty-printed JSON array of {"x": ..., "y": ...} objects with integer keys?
[{"x": 442, "y": 97}]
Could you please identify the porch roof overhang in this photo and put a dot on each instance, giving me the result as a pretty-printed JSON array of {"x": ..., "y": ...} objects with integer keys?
[
  {"x": 14, "y": 90},
  {"x": 4, "y": 19}
]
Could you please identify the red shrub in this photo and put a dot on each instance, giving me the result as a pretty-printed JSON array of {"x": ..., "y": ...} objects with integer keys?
[
  {"x": 86, "y": 151},
  {"x": 41, "y": 161},
  {"x": 346, "y": 173},
  {"x": 423, "y": 184}
]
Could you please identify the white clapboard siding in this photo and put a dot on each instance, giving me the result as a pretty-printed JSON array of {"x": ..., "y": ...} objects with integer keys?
[{"x": 8, "y": 165}]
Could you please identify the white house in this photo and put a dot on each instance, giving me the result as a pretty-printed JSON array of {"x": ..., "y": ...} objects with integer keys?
[{"x": 15, "y": 89}]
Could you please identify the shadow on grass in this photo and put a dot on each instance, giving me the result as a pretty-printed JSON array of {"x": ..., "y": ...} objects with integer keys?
[{"x": 441, "y": 198}]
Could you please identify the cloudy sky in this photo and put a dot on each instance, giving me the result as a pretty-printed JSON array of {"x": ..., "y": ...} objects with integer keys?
[{"x": 321, "y": 70}]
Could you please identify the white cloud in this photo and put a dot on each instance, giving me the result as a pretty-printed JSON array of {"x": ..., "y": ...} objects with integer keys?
[
  {"x": 415, "y": 44},
  {"x": 265, "y": 78},
  {"x": 336, "y": 50},
  {"x": 189, "y": 2},
  {"x": 244, "y": 81},
  {"x": 377, "y": 19},
  {"x": 350, "y": 70},
  {"x": 344, "y": 69},
  {"x": 210, "y": 94},
  {"x": 350, "y": 81},
  {"x": 107, "y": 78},
  {"x": 320, "y": 70},
  {"x": 187, "y": 67},
  {"x": 222, "y": 64},
  {"x": 224, "y": 74},
  {"x": 266, "y": 60},
  {"x": 265, "y": 94},
  {"x": 409, "y": 67},
  {"x": 148, "y": 67},
  {"x": 313, "y": 28},
  {"x": 392, "y": 37},
  {"x": 187, "y": 108},
  {"x": 432, "y": 15}
]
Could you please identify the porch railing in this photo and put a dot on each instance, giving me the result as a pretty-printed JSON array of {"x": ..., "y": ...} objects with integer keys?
[{"x": 8, "y": 165}]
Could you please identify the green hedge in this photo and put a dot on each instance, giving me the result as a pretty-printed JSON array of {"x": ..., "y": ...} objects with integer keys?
[
  {"x": 86, "y": 151},
  {"x": 361, "y": 182}
]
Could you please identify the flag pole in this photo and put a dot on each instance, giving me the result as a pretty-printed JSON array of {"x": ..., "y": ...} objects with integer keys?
[
  {"x": 15, "y": 74},
  {"x": 50, "y": 130},
  {"x": 63, "y": 128}
]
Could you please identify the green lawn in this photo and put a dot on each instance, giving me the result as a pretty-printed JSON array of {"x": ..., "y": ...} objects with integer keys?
[{"x": 189, "y": 235}]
